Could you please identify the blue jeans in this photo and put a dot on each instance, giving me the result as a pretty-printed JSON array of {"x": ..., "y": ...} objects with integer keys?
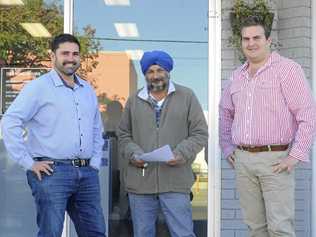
[
  {"x": 176, "y": 208},
  {"x": 71, "y": 189}
]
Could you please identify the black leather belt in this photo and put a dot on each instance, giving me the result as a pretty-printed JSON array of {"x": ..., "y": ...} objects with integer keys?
[
  {"x": 264, "y": 148},
  {"x": 74, "y": 162}
]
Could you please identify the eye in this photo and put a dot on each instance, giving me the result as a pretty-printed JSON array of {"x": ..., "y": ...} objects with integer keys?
[{"x": 149, "y": 72}]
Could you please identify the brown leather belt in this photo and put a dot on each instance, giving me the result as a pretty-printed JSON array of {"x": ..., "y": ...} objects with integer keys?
[{"x": 264, "y": 148}]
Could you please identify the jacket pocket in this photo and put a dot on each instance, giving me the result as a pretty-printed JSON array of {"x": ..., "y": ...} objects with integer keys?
[
  {"x": 180, "y": 178},
  {"x": 132, "y": 178}
]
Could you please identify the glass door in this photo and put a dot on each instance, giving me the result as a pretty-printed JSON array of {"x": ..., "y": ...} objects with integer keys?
[
  {"x": 121, "y": 31},
  {"x": 26, "y": 28}
]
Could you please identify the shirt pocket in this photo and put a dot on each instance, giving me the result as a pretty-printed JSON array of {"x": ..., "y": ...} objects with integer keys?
[
  {"x": 236, "y": 93},
  {"x": 270, "y": 95}
]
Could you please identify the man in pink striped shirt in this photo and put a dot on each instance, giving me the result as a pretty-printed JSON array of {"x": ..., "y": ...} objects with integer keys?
[{"x": 267, "y": 124}]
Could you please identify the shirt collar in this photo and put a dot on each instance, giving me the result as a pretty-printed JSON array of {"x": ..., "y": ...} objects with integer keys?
[
  {"x": 273, "y": 58},
  {"x": 143, "y": 93},
  {"x": 58, "y": 81}
]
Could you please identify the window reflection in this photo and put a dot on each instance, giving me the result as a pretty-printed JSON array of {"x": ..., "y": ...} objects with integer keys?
[
  {"x": 125, "y": 29},
  {"x": 26, "y": 28}
]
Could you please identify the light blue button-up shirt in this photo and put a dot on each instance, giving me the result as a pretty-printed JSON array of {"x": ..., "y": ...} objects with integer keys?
[{"x": 61, "y": 123}]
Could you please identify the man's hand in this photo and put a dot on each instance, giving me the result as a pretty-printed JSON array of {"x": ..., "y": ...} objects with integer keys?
[
  {"x": 42, "y": 166},
  {"x": 177, "y": 160},
  {"x": 136, "y": 162},
  {"x": 231, "y": 159},
  {"x": 286, "y": 164}
]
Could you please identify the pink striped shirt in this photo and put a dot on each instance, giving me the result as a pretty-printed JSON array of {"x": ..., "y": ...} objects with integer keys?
[{"x": 276, "y": 106}]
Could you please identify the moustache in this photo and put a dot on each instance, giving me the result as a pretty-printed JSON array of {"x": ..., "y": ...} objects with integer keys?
[
  {"x": 73, "y": 63},
  {"x": 157, "y": 85}
]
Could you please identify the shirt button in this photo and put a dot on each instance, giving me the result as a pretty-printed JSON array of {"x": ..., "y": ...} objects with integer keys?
[
  {"x": 81, "y": 135},
  {"x": 79, "y": 118},
  {"x": 249, "y": 95},
  {"x": 80, "y": 149}
]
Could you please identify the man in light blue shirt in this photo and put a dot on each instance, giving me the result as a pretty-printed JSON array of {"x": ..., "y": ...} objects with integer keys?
[{"x": 62, "y": 149}]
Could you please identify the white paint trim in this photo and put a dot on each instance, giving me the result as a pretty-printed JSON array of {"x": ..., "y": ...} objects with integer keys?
[
  {"x": 66, "y": 229},
  {"x": 313, "y": 217},
  {"x": 214, "y": 89},
  {"x": 68, "y": 16}
]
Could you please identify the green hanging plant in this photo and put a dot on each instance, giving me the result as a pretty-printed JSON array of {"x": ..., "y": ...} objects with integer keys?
[{"x": 242, "y": 10}]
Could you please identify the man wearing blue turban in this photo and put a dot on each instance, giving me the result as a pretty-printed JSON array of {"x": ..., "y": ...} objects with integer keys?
[{"x": 161, "y": 113}]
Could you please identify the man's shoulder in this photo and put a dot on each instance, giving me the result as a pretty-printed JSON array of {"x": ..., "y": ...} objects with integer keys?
[
  {"x": 133, "y": 97},
  {"x": 40, "y": 82},
  {"x": 86, "y": 84},
  {"x": 237, "y": 72},
  {"x": 182, "y": 89},
  {"x": 286, "y": 63},
  {"x": 83, "y": 82}
]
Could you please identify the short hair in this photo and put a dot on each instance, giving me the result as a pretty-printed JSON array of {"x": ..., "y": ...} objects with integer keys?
[
  {"x": 63, "y": 38},
  {"x": 256, "y": 21}
]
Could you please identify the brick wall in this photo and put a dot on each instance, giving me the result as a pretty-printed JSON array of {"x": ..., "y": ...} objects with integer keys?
[{"x": 292, "y": 28}]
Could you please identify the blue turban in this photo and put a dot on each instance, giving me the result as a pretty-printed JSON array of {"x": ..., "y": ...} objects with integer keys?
[{"x": 156, "y": 57}]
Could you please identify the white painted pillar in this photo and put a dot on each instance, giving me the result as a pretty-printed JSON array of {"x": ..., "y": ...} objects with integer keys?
[
  {"x": 313, "y": 217},
  {"x": 214, "y": 89},
  {"x": 68, "y": 16}
]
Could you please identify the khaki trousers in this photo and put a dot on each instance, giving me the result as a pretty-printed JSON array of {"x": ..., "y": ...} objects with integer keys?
[{"x": 266, "y": 198}]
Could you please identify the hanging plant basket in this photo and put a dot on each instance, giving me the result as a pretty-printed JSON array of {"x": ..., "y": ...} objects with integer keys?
[{"x": 240, "y": 11}]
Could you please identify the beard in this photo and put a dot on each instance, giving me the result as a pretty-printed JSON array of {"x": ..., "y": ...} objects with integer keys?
[
  {"x": 66, "y": 69},
  {"x": 158, "y": 84}
]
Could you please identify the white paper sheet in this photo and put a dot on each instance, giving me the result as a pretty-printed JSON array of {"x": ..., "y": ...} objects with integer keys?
[{"x": 162, "y": 154}]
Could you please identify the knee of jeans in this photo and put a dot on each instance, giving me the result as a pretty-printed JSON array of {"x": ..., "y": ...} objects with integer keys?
[{"x": 49, "y": 225}]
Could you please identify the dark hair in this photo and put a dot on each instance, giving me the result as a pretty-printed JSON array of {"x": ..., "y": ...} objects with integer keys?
[
  {"x": 63, "y": 38},
  {"x": 256, "y": 21}
]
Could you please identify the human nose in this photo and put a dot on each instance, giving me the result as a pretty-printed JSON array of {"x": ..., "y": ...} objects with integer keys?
[
  {"x": 72, "y": 57},
  {"x": 156, "y": 75},
  {"x": 251, "y": 42}
]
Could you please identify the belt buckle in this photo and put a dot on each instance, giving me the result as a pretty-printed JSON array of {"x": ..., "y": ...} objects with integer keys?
[
  {"x": 82, "y": 163},
  {"x": 76, "y": 163},
  {"x": 269, "y": 147}
]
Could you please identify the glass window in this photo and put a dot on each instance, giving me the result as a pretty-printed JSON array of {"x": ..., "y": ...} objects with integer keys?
[
  {"x": 26, "y": 28},
  {"x": 122, "y": 31}
]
